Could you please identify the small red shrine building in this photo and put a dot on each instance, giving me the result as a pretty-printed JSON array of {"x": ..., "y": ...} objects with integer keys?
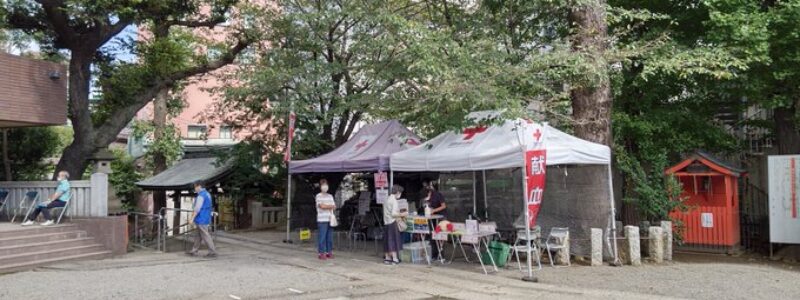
[{"x": 711, "y": 190}]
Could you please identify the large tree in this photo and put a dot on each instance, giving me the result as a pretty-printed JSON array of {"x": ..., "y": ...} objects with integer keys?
[
  {"x": 85, "y": 28},
  {"x": 339, "y": 63}
]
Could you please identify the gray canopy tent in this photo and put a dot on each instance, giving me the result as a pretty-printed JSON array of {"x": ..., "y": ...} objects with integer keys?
[{"x": 367, "y": 151}]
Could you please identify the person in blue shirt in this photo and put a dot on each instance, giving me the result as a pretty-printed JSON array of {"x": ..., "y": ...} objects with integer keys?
[
  {"x": 57, "y": 199},
  {"x": 201, "y": 218}
]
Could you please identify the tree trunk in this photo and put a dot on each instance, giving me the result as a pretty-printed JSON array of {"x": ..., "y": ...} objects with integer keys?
[
  {"x": 786, "y": 133},
  {"x": 591, "y": 112},
  {"x": 591, "y": 105},
  {"x": 159, "y": 160},
  {"x": 6, "y": 161},
  {"x": 76, "y": 156}
]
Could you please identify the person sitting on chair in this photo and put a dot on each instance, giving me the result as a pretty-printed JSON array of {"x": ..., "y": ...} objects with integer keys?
[{"x": 57, "y": 199}]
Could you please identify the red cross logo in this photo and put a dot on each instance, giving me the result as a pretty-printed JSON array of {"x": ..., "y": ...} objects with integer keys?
[
  {"x": 537, "y": 135},
  {"x": 470, "y": 133},
  {"x": 363, "y": 144}
]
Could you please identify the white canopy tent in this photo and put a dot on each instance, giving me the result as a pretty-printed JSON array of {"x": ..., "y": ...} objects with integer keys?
[{"x": 503, "y": 146}]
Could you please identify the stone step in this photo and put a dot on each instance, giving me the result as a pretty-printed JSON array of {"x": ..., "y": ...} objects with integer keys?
[
  {"x": 36, "y": 230},
  {"x": 40, "y": 238},
  {"x": 49, "y": 253},
  {"x": 52, "y": 260},
  {"x": 41, "y": 246}
]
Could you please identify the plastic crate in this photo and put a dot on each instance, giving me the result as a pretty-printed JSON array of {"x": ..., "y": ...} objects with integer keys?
[{"x": 415, "y": 253}]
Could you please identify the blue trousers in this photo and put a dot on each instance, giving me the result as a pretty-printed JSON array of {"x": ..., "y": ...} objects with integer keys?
[{"x": 324, "y": 237}]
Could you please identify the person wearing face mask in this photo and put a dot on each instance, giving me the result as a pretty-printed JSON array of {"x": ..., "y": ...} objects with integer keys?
[
  {"x": 57, "y": 199},
  {"x": 325, "y": 208},
  {"x": 393, "y": 242}
]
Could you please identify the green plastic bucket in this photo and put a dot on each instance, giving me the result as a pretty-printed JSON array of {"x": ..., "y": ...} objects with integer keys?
[{"x": 499, "y": 251}]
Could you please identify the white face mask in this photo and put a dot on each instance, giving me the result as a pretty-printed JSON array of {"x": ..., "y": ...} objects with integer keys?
[{"x": 324, "y": 188}]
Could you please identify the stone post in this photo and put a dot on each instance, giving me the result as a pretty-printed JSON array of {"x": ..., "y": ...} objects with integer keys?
[
  {"x": 666, "y": 226},
  {"x": 597, "y": 247},
  {"x": 656, "y": 244},
  {"x": 256, "y": 217},
  {"x": 99, "y": 195},
  {"x": 634, "y": 251}
]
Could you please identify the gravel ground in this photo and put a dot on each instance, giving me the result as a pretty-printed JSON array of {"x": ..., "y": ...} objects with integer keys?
[
  {"x": 255, "y": 271},
  {"x": 269, "y": 269},
  {"x": 691, "y": 276}
]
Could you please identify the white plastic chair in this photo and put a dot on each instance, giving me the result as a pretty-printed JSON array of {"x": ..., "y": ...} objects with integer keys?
[
  {"x": 529, "y": 247},
  {"x": 555, "y": 241}
]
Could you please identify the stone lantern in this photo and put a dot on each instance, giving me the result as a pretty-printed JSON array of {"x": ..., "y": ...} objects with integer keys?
[{"x": 102, "y": 161}]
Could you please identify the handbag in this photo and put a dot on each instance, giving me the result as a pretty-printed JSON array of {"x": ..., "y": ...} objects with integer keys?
[
  {"x": 333, "y": 221},
  {"x": 401, "y": 224}
]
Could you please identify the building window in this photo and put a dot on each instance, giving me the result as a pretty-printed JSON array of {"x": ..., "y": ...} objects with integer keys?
[
  {"x": 196, "y": 131},
  {"x": 226, "y": 132}
]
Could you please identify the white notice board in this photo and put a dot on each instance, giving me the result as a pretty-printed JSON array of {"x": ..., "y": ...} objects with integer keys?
[{"x": 784, "y": 198}]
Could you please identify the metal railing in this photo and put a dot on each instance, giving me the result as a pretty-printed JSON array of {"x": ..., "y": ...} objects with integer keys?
[
  {"x": 184, "y": 230},
  {"x": 140, "y": 232}
]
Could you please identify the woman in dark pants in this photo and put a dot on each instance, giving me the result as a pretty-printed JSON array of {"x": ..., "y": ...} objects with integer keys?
[
  {"x": 393, "y": 241},
  {"x": 435, "y": 201}
]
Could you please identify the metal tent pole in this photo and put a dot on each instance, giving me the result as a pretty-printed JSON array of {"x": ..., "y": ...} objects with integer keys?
[
  {"x": 613, "y": 215},
  {"x": 524, "y": 173},
  {"x": 474, "y": 195},
  {"x": 289, "y": 210},
  {"x": 485, "y": 202},
  {"x": 527, "y": 226}
]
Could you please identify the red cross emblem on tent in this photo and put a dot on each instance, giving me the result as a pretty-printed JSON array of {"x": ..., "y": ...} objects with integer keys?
[
  {"x": 470, "y": 133},
  {"x": 537, "y": 135},
  {"x": 363, "y": 144}
]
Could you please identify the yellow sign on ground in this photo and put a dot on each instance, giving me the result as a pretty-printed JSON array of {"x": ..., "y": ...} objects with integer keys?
[{"x": 305, "y": 234}]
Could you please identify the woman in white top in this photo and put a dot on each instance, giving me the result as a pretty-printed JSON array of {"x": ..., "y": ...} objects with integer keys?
[
  {"x": 325, "y": 208},
  {"x": 393, "y": 242}
]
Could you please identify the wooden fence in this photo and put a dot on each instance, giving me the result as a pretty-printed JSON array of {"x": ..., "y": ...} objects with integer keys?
[
  {"x": 89, "y": 198},
  {"x": 709, "y": 225}
]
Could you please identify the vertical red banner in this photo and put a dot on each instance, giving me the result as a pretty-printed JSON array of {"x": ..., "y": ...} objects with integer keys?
[
  {"x": 288, "y": 155},
  {"x": 535, "y": 166}
]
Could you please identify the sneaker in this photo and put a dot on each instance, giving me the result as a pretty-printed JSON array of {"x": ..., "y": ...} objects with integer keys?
[
  {"x": 395, "y": 262},
  {"x": 329, "y": 255},
  {"x": 48, "y": 223},
  {"x": 27, "y": 223},
  {"x": 211, "y": 255},
  {"x": 322, "y": 256},
  {"x": 387, "y": 261}
]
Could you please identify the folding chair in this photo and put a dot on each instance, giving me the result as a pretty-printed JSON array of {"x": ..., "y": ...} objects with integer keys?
[
  {"x": 33, "y": 198},
  {"x": 63, "y": 210},
  {"x": 3, "y": 196},
  {"x": 556, "y": 242},
  {"x": 529, "y": 247}
]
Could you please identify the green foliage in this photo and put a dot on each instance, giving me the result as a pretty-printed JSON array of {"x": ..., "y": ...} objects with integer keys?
[
  {"x": 246, "y": 181},
  {"x": 654, "y": 194},
  {"x": 28, "y": 151},
  {"x": 123, "y": 177},
  {"x": 168, "y": 145}
]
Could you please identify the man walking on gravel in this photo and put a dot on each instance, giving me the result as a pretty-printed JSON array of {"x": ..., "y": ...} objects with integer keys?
[{"x": 201, "y": 217}]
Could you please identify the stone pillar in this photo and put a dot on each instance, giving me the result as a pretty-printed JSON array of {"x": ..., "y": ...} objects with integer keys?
[
  {"x": 99, "y": 196},
  {"x": 597, "y": 247},
  {"x": 656, "y": 244},
  {"x": 256, "y": 217},
  {"x": 666, "y": 226},
  {"x": 634, "y": 250}
]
